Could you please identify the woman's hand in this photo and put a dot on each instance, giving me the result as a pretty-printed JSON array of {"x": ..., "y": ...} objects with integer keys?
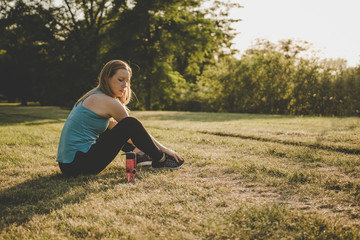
[
  {"x": 112, "y": 123},
  {"x": 173, "y": 154},
  {"x": 168, "y": 151}
]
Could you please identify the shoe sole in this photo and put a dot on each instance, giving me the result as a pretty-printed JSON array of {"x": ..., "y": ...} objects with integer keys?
[
  {"x": 146, "y": 163},
  {"x": 166, "y": 168}
]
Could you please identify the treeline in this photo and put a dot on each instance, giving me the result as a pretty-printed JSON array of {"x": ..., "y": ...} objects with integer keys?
[
  {"x": 274, "y": 78},
  {"x": 180, "y": 53},
  {"x": 52, "y": 51}
]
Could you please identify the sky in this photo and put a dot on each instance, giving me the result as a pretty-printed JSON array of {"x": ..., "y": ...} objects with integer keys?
[{"x": 332, "y": 26}]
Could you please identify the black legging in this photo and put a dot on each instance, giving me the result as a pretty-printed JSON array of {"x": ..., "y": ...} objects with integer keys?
[{"x": 108, "y": 146}]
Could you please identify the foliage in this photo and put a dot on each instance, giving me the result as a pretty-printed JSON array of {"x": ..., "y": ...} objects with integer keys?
[
  {"x": 169, "y": 41},
  {"x": 273, "y": 78},
  {"x": 181, "y": 56},
  {"x": 174, "y": 38},
  {"x": 25, "y": 41}
]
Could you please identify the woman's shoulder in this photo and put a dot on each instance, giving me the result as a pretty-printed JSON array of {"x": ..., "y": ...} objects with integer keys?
[
  {"x": 100, "y": 103},
  {"x": 104, "y": 101},
  {"x": 100, "y": 97}
]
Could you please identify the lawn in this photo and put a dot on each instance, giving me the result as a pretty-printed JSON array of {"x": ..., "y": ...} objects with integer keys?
[{"x": 246, "y": 176}]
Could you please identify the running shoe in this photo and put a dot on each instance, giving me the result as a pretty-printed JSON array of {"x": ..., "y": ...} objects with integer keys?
[
  {"x": 142, "y": 159},
  {"x": 169, "y": 163}
]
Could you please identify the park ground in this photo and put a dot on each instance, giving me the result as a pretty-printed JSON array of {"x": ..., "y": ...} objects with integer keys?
[{"x": 246, "y": 176}]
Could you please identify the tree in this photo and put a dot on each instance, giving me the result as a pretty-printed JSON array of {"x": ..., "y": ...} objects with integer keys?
[
  {"x": 173, "y": 43},
  {"x": 24, "y": 44},
  {"x": 81, "y": 26}
]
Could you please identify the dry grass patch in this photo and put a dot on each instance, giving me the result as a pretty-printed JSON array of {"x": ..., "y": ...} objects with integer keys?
[{"x": 231, "y": 187}]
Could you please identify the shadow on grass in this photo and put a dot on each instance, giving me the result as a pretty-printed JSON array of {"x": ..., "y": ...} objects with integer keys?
[
  {"x": 45, "y": 194},
  {"x": 288, "y": 142},
  {"x": 206, "y": 116},
  {"x": 12, "y": 115}
]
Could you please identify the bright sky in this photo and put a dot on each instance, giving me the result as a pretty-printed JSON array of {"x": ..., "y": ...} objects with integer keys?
[{"x": 332, "y": 26}]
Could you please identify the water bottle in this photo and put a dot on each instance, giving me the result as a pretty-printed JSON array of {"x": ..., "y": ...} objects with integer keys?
[{"x": 130, "y": 166}]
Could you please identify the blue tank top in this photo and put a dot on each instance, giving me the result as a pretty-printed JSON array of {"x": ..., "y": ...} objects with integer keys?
[{"x": 81, "y": 129}]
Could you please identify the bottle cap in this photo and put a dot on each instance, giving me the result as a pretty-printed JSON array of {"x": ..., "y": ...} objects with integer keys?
[{"x": 130, "y": 155}]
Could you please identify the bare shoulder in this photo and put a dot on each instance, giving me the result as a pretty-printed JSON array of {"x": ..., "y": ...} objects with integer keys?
[
  {"x": 95, "y": 98},
  {"x": 101, "y": 98},
  {"x": 104, "y": 105}
]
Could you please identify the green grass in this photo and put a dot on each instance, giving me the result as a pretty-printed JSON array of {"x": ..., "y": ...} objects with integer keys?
[{"x": 246, "y": 176}]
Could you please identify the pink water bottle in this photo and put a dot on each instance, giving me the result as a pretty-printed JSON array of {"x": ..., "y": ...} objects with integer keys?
[{"x": 130, "y": 166}]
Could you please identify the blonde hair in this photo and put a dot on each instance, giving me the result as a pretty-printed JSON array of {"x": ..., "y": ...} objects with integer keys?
[{"x": 106, "y": 73}]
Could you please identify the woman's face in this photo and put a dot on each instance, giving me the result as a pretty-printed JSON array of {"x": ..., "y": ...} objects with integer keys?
[{"x": 119, "y": 82}]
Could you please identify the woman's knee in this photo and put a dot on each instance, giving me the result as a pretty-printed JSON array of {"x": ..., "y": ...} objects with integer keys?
[
  {"x": 130, "y": 121},
  {"x": 126, "y": 126}
]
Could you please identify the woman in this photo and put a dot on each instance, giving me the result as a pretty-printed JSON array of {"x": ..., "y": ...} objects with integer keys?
[{"x": 85, "y": 147}]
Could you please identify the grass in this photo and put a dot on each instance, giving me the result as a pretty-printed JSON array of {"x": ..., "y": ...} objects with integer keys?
[{"x": 246, "y": 176}]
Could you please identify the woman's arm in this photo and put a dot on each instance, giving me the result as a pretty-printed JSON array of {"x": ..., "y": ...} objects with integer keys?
[
  {"x": 112, "y": 123},
  {"x": 116, "y": 110},
  {"x": 167, "y": 150}
]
